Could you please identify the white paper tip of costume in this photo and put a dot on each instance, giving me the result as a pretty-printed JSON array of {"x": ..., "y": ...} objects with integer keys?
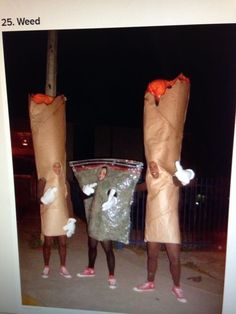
[
  {"x": 70, "y": 227},
  {"x": 183, "y": 175},
  {"x": 88, "y": 189},
  {"x": 49, "y": 196}
]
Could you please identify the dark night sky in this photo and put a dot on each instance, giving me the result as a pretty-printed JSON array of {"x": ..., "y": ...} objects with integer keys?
[{"x": 106, "y": 72}]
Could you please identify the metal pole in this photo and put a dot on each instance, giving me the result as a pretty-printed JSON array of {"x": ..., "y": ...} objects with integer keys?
[{"x": 51, "y": 74}]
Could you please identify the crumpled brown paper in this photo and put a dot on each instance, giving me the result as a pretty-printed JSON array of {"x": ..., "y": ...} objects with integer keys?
[
  {"x": 48, "y": 126},
  {"x": 163, "y": 132}
]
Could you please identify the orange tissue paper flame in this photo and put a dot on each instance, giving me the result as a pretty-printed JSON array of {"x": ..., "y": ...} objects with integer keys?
[
  {"x": 158, "y": 87},
  {"x": 42, "y": 99}
]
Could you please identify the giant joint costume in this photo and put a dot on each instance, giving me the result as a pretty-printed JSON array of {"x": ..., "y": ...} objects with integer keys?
[
  {"x": 165, "y": 107},
  {"x": 48, "y": 126}
]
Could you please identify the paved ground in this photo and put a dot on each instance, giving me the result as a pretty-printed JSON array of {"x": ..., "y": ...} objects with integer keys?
[{"x": 202, "y": 278}]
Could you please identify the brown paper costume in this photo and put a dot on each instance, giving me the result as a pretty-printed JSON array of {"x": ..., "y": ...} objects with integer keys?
[
  {"x": 48, "y": 128},
  {"x": 163, "y": 130}
]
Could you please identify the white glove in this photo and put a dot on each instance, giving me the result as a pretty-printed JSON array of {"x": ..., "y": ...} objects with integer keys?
[
  {"x": 184, "y": 176},
  {"x": 112, "y": 200},
  {"x": 49, "y": 196},
  {"x": 70, "y": 227},
  {"x": 88, "y": 189}
]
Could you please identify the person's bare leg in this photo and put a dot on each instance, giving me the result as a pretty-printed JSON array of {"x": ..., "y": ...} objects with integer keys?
[
  {"x": 153, "y": 249},
  {"x": 47, "y": 244},
  {"x": 173, "y": 251},
  {"x": 62, "y": 249},
  {"x": 152, "y": 259}
]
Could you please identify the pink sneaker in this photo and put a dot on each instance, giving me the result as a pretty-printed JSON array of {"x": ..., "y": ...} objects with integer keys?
[
  {"x": 64, "y": 272},
  {"x": 179, "y": 294},
  {"x": 88, "y": 272},
  {"x": 112, "y": 282},
  {"x": 147, "y": 286},
  {"x": 45, "y": 272}
]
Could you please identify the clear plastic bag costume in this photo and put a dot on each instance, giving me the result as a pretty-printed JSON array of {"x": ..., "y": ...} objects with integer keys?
[{"x": 108, "y": 208}]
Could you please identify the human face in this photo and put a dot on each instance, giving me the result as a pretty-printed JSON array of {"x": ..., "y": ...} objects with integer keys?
[
  {"x": 102, "y": 174},
  {"x": 154, "y": 169},
  {"x": 56, "y": 167}
]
